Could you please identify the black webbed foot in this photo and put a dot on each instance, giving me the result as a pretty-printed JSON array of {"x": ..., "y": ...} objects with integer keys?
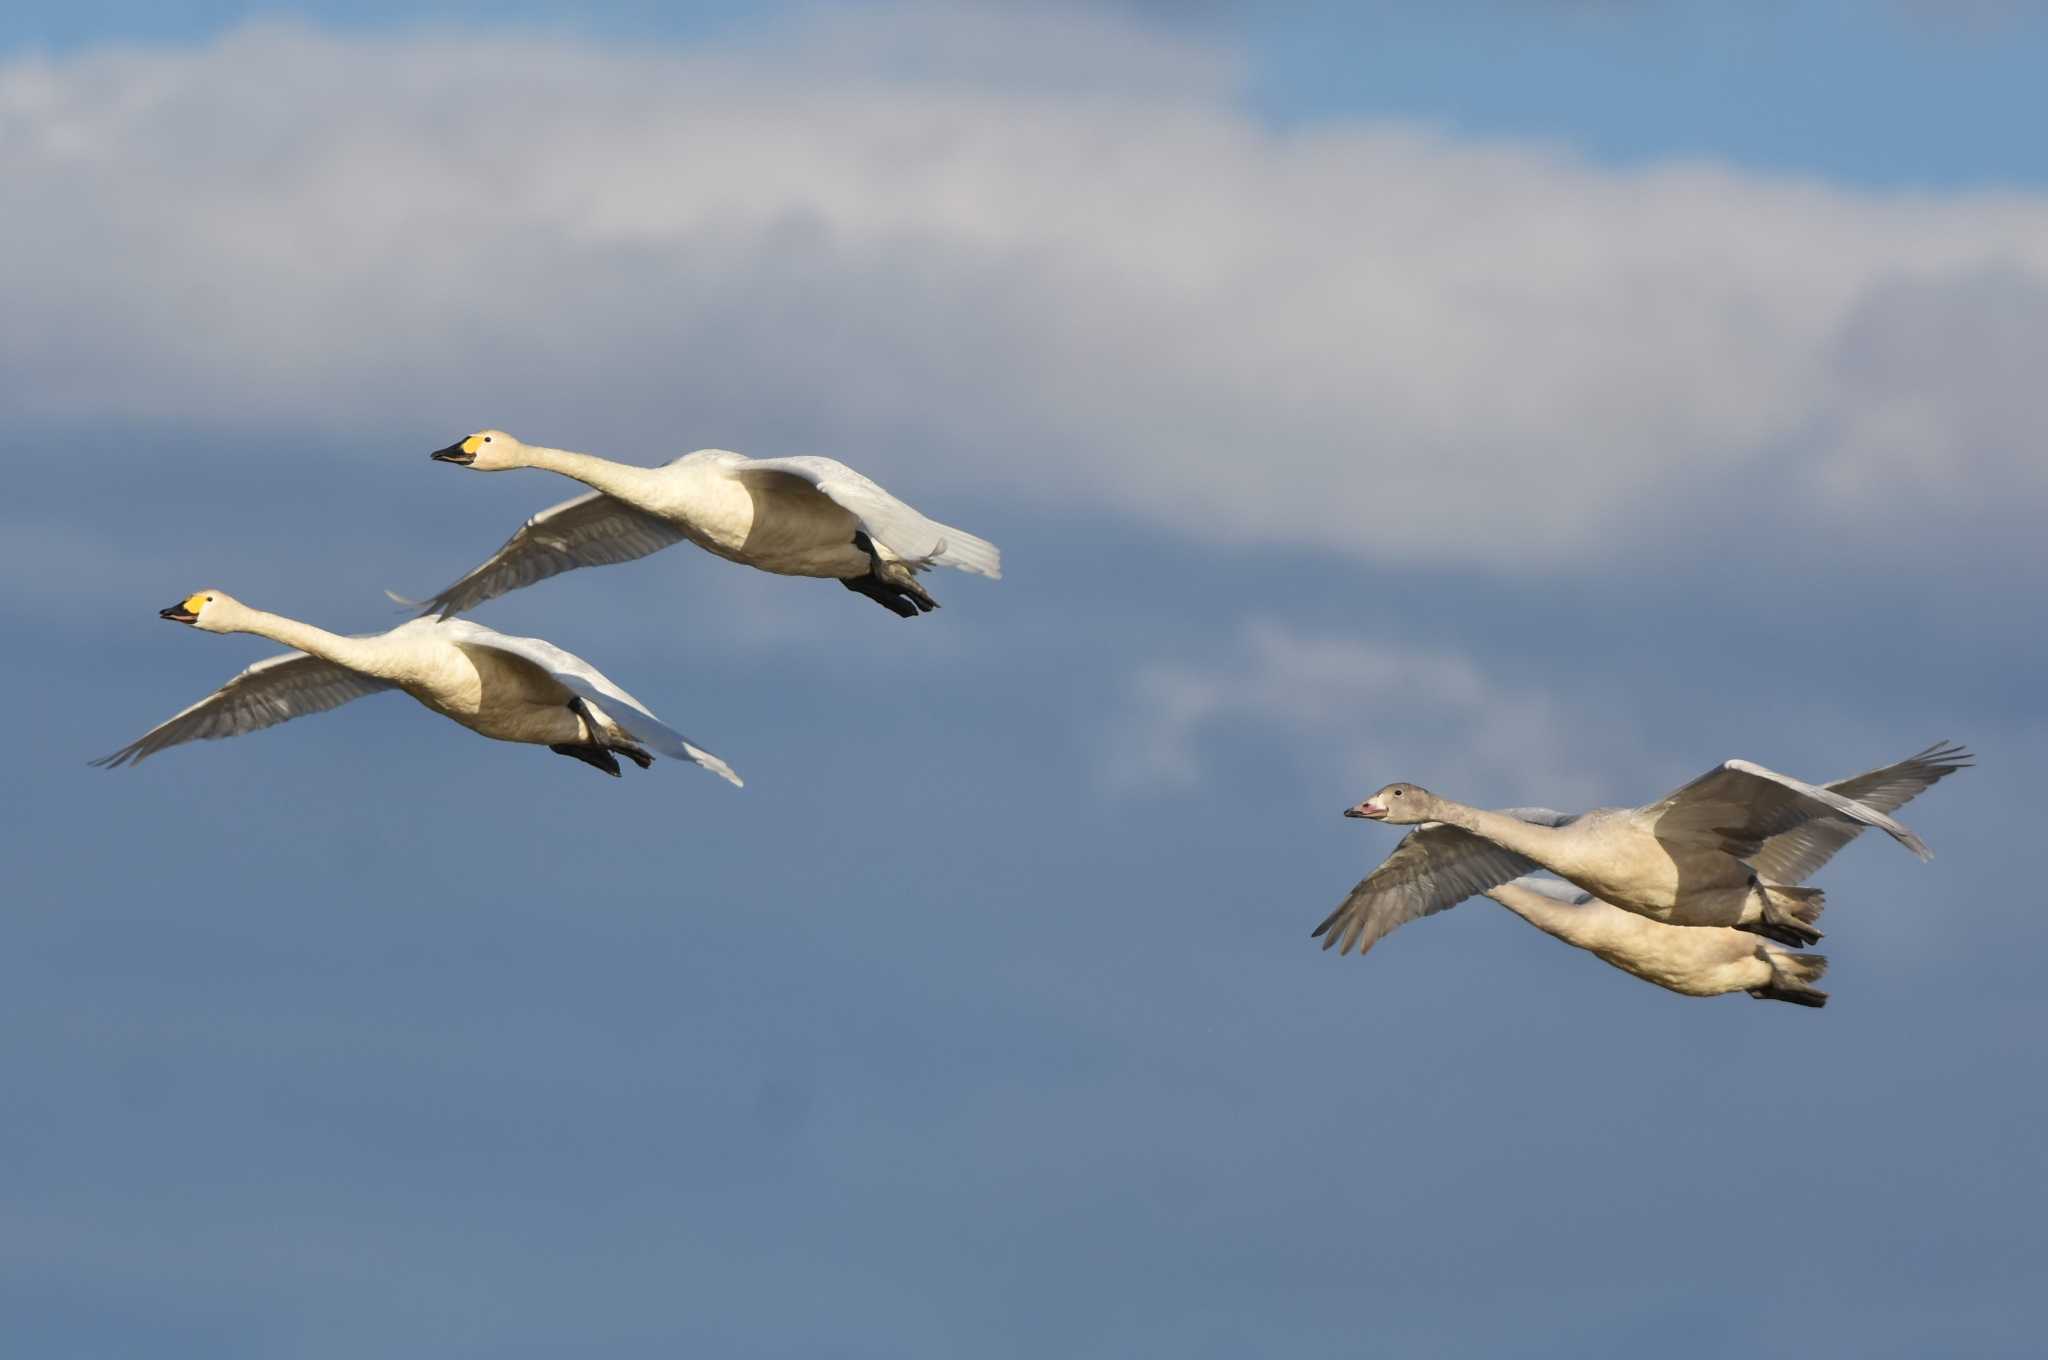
[{"x": 591, "y": 755}]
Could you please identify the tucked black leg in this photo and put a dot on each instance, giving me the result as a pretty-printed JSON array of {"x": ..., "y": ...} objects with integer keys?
[
  {"x": 604, "y": 748},
  {"x": 890, "y": 584}
]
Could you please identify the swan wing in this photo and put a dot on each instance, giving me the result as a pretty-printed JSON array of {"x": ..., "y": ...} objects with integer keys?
[
  {"x": 1435, "y": 866},
  {"x": 274, "y": 690},
  {"x": 586, "y": 681},
  {"x": 1739, "y": 805},
  {"x": 591, "y": 530},
  {"x": 1556, "y": 889},
  {"x": 919, "y": 541},
  {"x": 1797, "y": 855}
]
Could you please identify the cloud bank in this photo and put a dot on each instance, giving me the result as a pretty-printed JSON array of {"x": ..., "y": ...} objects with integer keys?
[
  {"x": 1053, "y": 260},
  {"x": 1325, "y": 702}
]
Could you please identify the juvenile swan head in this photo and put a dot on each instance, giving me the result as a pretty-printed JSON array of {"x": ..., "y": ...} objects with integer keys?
[
  {"x": 486, "y": 451},
  {"x": 1396, "y": 804},
  {"x": 210, "y": 610}
]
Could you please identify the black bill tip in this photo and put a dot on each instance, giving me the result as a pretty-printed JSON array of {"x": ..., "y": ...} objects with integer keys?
[
  {"x": 178, "y": 613},
  {"x": 455, "y": 454}
]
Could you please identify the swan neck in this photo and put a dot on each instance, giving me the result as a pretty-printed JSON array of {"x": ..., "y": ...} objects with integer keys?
[
  {"x": 601, "y": 474},
  {"x": 1509, "y": 833},
  {"x": 354, "y": 653},
  {"x": 1546, "y": 914}
]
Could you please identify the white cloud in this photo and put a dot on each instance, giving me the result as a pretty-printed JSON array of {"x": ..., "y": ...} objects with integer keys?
[
  {"x": 1367, "y": 711},
  {"x": 1079, "y": 274}
]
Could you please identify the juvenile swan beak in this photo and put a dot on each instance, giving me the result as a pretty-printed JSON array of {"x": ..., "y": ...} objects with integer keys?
[
  {"x": 1371, "y": 812},
  {"x": 178, "y": 613},
  {"x": 454, "y": 453}
]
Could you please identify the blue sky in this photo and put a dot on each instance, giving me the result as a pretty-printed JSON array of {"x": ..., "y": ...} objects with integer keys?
[{"x": 1537, "y": 402}]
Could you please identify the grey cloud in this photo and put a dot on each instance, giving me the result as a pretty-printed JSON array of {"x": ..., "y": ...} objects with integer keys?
[
  {"x": 1368, "y": 340},
  {"x": 1324, "y": 699}
]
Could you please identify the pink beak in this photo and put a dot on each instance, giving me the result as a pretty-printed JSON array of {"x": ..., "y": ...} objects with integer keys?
[{"x": 1369, "y": 811}]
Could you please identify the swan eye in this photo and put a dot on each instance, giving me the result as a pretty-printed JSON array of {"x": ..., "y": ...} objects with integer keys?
[
  {"x": 1397, "y": 793},
  {"x": 487, "y": 439}
]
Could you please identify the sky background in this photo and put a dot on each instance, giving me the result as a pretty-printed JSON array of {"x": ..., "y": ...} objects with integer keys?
[{"x": 1538, "y": 402}]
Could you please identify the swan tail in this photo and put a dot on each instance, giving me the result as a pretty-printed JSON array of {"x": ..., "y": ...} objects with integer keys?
[
  {"x": 1788, "y": 914},
  {"x": 1792, "y": 977},
  {"x": 967, "y": 553},
  {"x": 647, "y": 730}
]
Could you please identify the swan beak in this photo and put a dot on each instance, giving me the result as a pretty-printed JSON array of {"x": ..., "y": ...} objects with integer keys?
[
  {"x": 455, "y": 454},
  {"x": 178, "y": 613},
  {"x": 1369, "y": 811}
]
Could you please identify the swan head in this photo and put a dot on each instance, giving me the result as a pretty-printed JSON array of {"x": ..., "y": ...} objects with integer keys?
[
  {"x": 485, "y": 451},
  {"x": 1397, "y": 805},
  {"x": 212, "y": 611}
]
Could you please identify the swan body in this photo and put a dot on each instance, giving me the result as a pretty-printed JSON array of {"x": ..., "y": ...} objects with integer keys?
[
  {"x": 793, "y": 516},
  {"x": 1728, "y": 849},
  {"x": 1691, "y": 960},
  {"x": 498, "y": 686}
]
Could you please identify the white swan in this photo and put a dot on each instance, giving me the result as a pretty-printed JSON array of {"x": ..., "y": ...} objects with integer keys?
[
  {"x": 506, "y": 688},
  {"x": 1725, "y": 850},
  {"x": 795, "y": 516},
  {"x": 1693, "y": 960}
]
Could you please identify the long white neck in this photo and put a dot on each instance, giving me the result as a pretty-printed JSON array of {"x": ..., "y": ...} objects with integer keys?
[
  {"x": 1509, "y": 833},
  {"x": 1574, "y": 925},
  {"x": 362, "y": 655},
  {"x": 624, "y": 480}
]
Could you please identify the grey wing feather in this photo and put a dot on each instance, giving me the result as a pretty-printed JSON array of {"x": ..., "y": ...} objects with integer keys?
[
  {"x": 591, "y": 530},
  {"x": 1792, "y": 857},
  {"x": 1435, "y": 866},
  {"x": 274, "y": 690},
  {"x": 1556, "y": 889},
  {"x": 917, "y": 539},
  {"x": 588, "y": 682},
  {"x": 1739, "y": 805}
]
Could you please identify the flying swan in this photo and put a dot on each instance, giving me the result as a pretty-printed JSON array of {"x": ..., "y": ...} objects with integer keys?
[
  {"x": 1692, "y": 960},
  {"x": 795, "y": 516},
  {"x": 505, "y": 688},
  {"x": 1728, "y": 849}
]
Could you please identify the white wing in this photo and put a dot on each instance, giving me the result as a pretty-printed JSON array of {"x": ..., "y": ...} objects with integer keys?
[
  {"x": 592, "y": 530},
  {"x": 1794, "y": 856},
  {"x": 1435, "y": 866},
  {"x": 917, "y": 540},
  {"x": 589, "y": 683},
  {"x": 274, "y": 690},
  {"x": 1740, "y": 805}
]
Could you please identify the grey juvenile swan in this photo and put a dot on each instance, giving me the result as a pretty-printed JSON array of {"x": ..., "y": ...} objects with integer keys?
[
  {"x": 1692, "y": 960},
  {"x": 1728, "y": 849},
  {"x": 506, "y": 688},
  {"x": 795, "y": 516}
]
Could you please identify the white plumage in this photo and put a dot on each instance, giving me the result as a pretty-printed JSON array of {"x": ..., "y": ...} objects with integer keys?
[
  {"x": 803, "y": 516},
  {"x": 508, "y": 688}
]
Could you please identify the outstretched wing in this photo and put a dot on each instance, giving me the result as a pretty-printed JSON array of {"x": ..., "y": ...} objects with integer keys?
[
  {"x": 911, "y": 536},
  {"x": 1435, "y": 866},
  {"x": 1740, "y": 805},
  {"x": 274, "y": 690},
  {"x": 589, "y": 683},
  {"x": 593, "y": 530},
  {"x": 1556, "y": 889},
  {"x": 1794, "y": 856}
]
